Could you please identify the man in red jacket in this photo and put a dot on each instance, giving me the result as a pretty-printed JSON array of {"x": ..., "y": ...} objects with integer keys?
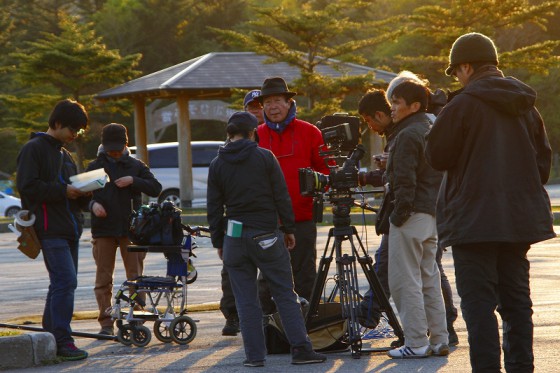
[{"x": 296, "y": 144}]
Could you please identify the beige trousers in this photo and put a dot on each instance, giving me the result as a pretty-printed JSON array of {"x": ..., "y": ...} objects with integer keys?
[
  {"x": 414, "y": 280},
  {"x": 104, "y": 253}
]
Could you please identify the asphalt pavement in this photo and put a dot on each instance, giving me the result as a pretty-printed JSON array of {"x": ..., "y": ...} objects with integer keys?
[{"x": 24, "y": 285}]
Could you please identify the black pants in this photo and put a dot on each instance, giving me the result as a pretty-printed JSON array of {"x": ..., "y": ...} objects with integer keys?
[
  {"x": 494, "y": 276},
  {"x": 303, "y": 259},
  {"x": 227, "y": 302}
]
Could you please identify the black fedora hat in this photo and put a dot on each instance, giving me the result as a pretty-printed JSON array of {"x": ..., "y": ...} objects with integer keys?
[{"x": 275, "y": 86}]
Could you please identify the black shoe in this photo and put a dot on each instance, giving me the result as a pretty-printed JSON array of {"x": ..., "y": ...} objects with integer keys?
[
  {"x": 232, "y": 326},
  {"x": 253, "y": 364},
  {"x": 453, "y": 337},
  {"x": 370, "y": 320},
  {"x": 305, "y": 355},
  {"x": 69, "y": 351}
]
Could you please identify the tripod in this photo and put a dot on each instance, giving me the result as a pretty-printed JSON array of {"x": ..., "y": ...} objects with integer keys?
[{"x": 347, "y": 279}]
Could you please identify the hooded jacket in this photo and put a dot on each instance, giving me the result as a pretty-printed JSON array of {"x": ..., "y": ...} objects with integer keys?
[
  {"x": 248, "y": 181},
  {"x": 43, "y": 172},
  {"x": 492, "y": 142},
  {"x": 119, "y": 202},
  {"x": 297, "y": 146}
]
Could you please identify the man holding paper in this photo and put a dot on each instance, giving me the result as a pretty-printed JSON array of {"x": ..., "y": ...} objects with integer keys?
[
  {"x": 44, "y": 168},
  {"x": 111, "y": 207}
]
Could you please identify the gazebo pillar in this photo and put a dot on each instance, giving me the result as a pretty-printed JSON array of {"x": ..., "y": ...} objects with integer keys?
[
  {"x": 185, "y": 152},
  {"x": 140, "y": 129}
]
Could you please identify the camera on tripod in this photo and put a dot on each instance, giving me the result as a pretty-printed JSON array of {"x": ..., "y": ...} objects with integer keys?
[{"x": 341, "y": 133}]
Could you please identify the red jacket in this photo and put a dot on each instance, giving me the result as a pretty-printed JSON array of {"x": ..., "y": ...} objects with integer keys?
[{"x": 296, "y": 147}]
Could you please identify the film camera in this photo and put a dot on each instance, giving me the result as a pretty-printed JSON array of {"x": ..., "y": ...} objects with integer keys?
[{"x": 341, "y": 134}]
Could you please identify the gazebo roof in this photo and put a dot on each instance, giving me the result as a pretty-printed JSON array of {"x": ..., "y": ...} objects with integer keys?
[{"x": 214, "y": 74}]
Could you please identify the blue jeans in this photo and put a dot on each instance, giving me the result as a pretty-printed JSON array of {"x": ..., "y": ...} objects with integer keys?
[{"x": 61, "y": 260}]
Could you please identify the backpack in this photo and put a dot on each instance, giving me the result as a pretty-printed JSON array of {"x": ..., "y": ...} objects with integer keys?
[{"x": 156, "y": 225}]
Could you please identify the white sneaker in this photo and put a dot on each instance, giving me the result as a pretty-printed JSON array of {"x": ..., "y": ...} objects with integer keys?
[
  {"x": 406, "y": 352},
  {"x": 441, "y": 349}
]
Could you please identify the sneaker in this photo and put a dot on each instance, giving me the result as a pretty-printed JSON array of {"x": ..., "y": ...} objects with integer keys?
[
  {"x": 253, "y": 364},
  {"x": 107, "y": 330},
  {"x": 305, "y": 355},
  {"x": 406, "y": 352},
  {"x": 441, "y": 349},
  {"x": 453, "y": 337},
  {"x": 69, "y": 351},
  {"x": 232, "y": 326}
]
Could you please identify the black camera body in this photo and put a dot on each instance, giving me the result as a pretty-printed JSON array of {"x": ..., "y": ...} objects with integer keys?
[
  {"x": 341, "y": 133},
  {"x": 313, "y": 183}
]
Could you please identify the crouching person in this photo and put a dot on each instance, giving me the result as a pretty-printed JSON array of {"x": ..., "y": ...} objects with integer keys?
[{"x": 247, "y": 197}]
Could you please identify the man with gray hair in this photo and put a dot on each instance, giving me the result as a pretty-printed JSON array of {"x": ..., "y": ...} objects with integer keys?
[{"x": 491, "y": 141}]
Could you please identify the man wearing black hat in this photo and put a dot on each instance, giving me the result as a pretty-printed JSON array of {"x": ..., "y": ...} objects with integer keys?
[
  {"x": 247, "y": 197},
  {"x": 491, "y": 141},
  {"x": 296, "y": 144},
  {"x": 44, "y": 168},
  {"x": 111, "y": 207}
]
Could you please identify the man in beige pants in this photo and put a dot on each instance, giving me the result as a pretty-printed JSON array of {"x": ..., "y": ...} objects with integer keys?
[{"x": 414, "y": 278}]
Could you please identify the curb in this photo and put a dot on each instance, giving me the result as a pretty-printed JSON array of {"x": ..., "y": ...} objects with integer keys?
[{"x": 27, "y": 350}]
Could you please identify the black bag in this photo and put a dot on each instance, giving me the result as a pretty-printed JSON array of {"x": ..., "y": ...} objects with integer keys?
[
  {"x": 382, "y": 223},
  {"x": 156, "y": 225}
]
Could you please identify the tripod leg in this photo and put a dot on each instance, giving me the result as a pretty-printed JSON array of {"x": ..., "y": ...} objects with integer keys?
[
  {"x": 350, "y": 296},
  {"x": 320, "y": 279},
  {"x": 366, "y": 262}
]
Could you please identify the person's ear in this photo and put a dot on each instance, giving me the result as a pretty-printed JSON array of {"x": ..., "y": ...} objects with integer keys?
[{"x": 415, "y": 106}]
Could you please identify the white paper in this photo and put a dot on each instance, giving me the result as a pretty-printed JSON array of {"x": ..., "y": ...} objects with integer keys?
[{"x": 89, "y": 181}]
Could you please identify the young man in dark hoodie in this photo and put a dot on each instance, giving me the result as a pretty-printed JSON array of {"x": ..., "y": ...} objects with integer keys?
[
  {"x": 111, "y": 207},
  {"x": 44, "y": 168},
  {"x": 247, "y": 197},
  {"x": 491, "y": 141}
]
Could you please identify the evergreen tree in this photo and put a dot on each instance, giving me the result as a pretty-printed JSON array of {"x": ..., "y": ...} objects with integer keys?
[{"x": 75, "y": 64}]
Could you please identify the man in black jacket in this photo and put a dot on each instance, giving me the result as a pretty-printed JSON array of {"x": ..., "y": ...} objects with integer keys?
[
  {"x": 414, "y": 278},
  {"x": 111, "y": 208},
  {"x": 247, "y": 197},
  {"x": 492, "y": 205},
  {"x": 44, "y": 168}
]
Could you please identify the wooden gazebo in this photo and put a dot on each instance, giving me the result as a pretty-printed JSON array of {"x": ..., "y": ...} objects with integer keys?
[{"x": 209, "y": 76}]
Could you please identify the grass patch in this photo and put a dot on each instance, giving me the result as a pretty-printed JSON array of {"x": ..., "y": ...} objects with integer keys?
[{"x": 9, "y": 333}]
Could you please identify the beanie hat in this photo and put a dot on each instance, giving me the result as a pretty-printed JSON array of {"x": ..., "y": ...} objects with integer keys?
[
  {"x": 472, "y": 47},
  {"x": 241, "y": 121},
  {"x": 250, "y": 97},
  {"x": 114, "y": 137}
]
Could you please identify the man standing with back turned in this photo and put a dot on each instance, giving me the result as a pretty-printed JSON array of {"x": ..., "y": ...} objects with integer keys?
[{"x": 492, "y": 205}]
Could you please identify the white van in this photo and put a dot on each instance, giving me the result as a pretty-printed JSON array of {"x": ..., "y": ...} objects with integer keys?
[{"x": 164, "y": 164}]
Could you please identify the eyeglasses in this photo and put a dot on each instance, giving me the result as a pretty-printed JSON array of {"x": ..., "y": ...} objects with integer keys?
[{"x": 76, "y": 132}]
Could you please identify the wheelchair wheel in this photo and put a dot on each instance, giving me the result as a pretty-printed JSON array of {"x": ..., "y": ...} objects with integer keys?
[
  {"x": 124, "y": 335},
  {"x": 183, "y": 330},
  {"x": 141, "y": 336},
  {"x": 162, "y": 331}
]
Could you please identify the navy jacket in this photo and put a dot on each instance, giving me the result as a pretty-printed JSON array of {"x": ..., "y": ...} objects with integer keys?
[
  {"x": 43, "y": 171},
  {"x": 246, "y": 183},
  {"x": 119, "y": 202}
]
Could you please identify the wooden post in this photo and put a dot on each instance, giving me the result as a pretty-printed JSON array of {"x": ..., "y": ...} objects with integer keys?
[
  {"x": 140, "y": 134},
  {"x": 185, "y": 152}
]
